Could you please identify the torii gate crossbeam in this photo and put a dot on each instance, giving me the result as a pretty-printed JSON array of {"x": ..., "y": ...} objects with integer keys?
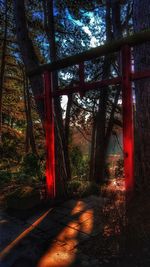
[{"x": 124, "y": 46}]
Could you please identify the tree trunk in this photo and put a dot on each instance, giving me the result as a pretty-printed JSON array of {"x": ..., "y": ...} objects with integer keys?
[
  {"x": 92, "y": 152},
  {"x": 3, "y": 63},
  {"x": 67, "y": 119},
  {"x": 99, "y": 161},
  {"x": 111, "y": 119},
  {"x": 30, "y": 60},
  {"x": 103, "y": 133},
  {"x": 30, "y": 122},
  {"x": 27, "y": 141},
  {"x": 101, "y": 130},
  {"x": 116, "y": 23},
  {"x": 50, "y": 31},
  {"x": 28, "y": 54},
  {"x": 141, "y": 21}
]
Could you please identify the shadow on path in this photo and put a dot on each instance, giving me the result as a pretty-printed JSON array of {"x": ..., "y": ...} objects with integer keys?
[{"x": 84, "y": 232}]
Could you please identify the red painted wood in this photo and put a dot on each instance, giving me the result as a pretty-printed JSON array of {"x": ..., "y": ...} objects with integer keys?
[
  {"x": 98, "y": 84},
  {"x": 49, "y": 132},
  {"x": 128, "y": 135},
  {"x": 140, "y": 75},
  {"x": 87, "y": 86},
  {"x": 82, "y": 87}
]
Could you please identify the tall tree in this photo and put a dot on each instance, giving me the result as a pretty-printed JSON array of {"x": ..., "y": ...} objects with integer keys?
[
  {"x": 28, "y": 54},
  {"x": 99, "y": 162},
  {"x": 49, "y": 25},
  {"x": 30, "y": 139},
  {"x": 31, "y": 61},
  {"x": 104, "y": 126},
  {"x": 3, "y": 63},
  {"x": 141, "y": 21}
]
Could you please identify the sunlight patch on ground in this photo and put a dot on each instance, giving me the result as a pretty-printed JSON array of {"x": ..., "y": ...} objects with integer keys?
[
  {"x": 80, "y": 206},
  {"x": 61, "y": 254},
  {"x": 56, "y": 256}
]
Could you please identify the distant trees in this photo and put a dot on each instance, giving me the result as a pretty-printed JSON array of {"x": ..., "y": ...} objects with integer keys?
[{"x": 14, "y": 116}]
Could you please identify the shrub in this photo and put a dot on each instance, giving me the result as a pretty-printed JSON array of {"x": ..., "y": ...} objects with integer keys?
[
  {"x": 24, "y": 178},
  {"x": 31, "y": 165},
  {"x": 78, "y": 188},
  {"x": 5, "y": 176},
  {"x": 79, "y": 163}
]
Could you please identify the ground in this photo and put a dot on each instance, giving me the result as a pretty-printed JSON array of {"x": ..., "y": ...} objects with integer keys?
[{"x": 86, "y": 232}]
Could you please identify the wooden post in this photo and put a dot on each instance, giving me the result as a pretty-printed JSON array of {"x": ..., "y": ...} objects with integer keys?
[
  {"x": 128, "y": 134},
  {"x": 49, "y": 132},
  {"x": 106, "y": 49}
]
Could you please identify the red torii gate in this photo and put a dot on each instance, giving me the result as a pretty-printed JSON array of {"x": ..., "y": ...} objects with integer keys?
[{"x": 124, "y": 46}]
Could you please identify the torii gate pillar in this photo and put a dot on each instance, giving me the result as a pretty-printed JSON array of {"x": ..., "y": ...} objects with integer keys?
[
  {"x": 49, "y": 132},
  {"x": 128, "y": 125}
]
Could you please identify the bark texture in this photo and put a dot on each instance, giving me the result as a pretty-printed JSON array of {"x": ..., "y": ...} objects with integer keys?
[
  {"x": 30, "y": 139},
  {"x": 141, "y": 20}
]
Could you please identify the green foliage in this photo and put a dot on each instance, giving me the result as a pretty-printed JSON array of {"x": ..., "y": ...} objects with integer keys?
[
  {"x": 24, "y": 178},
  {"x": 9, "y": 145},
  {"x": 31, "y": 165},
  {"x": 5, "y": 176},
  {"x": 79, "y": 163},
  {"x": 79, "y": 188},
  {"x": 31, "y": 170}
]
